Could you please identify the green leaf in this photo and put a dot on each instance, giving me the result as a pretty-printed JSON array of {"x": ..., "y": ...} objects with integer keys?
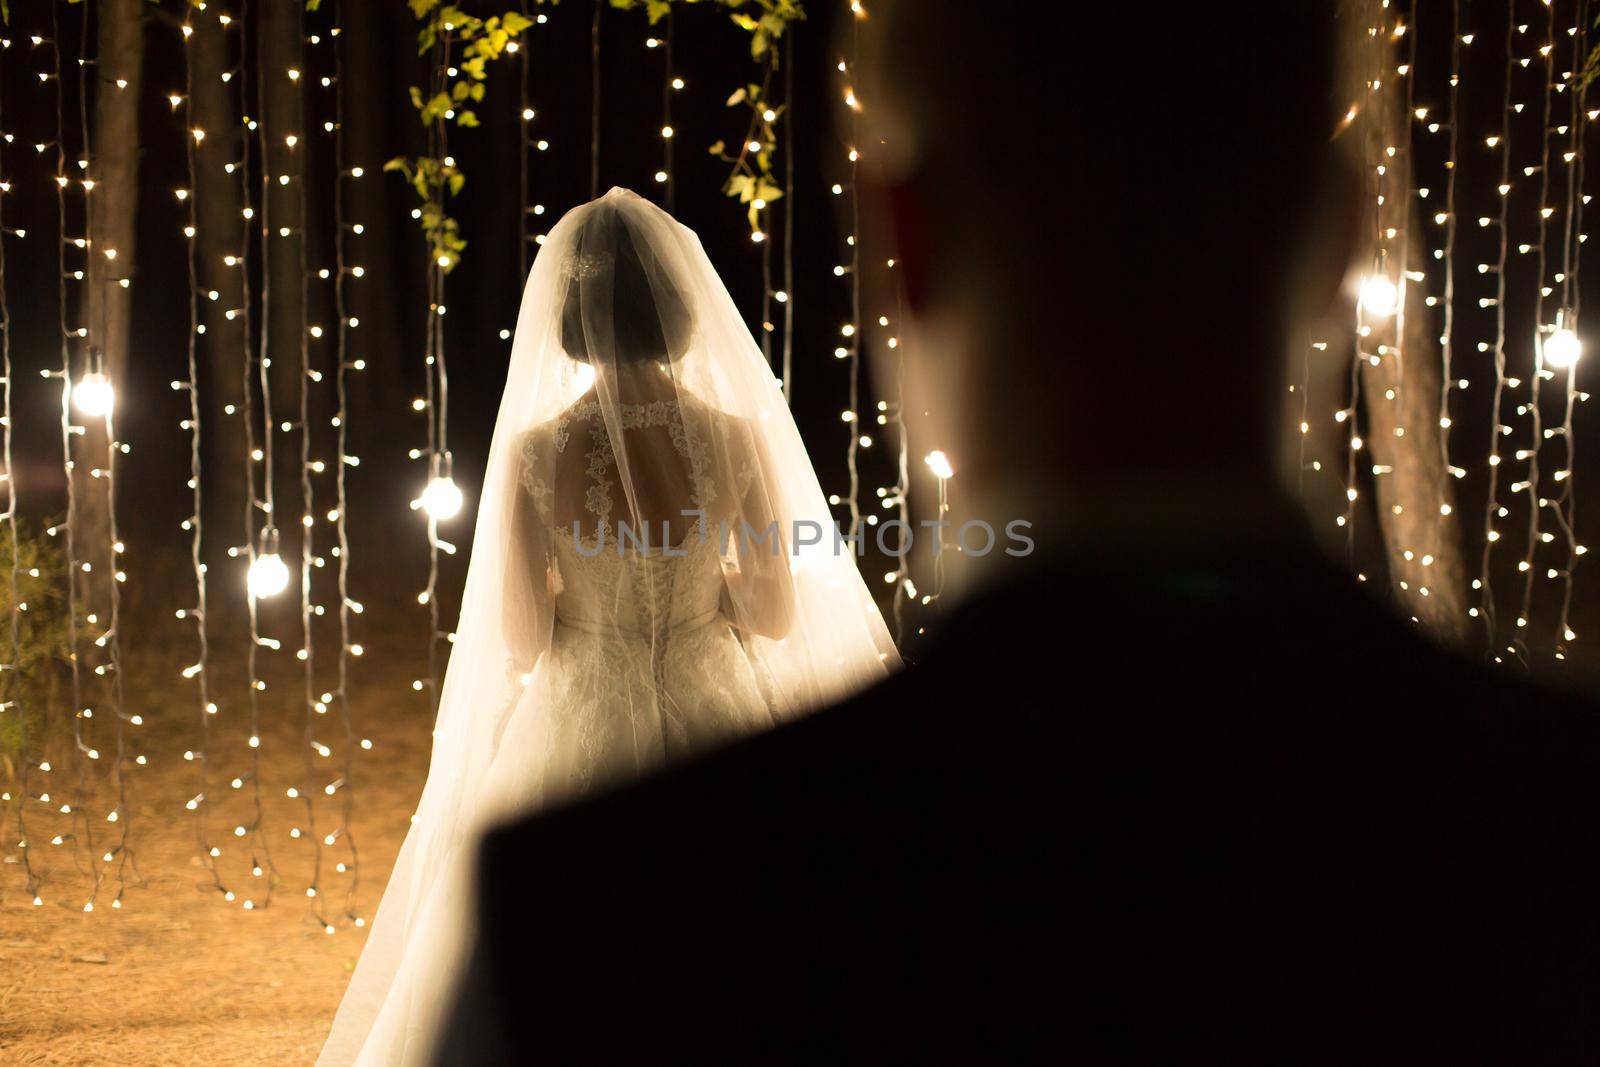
[
  {"x": 768, "y": 190},
  {"x": 435, "y": 108}
]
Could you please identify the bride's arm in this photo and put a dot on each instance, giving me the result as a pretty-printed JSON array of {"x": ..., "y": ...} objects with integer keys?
[
  {"x": 759, "y": 594},
  {"x": 529, "y": 595}
]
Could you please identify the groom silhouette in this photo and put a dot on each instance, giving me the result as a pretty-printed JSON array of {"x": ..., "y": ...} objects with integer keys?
[{"x": 1171, "y": 785}]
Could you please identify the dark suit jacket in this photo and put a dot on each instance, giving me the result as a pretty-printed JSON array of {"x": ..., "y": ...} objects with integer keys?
[{"x": 1221, "y": 805}]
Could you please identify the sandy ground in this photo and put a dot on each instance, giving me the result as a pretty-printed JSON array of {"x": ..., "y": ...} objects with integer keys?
[{"x": 178, "y": 974}]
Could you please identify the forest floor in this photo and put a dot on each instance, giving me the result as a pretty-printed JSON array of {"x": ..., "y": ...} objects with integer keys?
[{"x": 178, "y": 974}]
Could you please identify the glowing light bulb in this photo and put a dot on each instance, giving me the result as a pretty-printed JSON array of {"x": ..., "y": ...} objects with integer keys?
[
  {"x": 939, "y": 463},
  {"x": 442, "y": 498},
  {"x": 268, "y": 576},
  {"x": 1562, "y": 348},
  {"x": 1379, "y": 295},
  {"x": 93, "y": 396}
]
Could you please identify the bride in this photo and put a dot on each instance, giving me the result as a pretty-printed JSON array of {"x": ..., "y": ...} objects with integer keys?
[{"x": 654, "y": 572}]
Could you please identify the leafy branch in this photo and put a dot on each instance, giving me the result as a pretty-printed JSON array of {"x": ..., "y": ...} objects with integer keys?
[
  {"x": 454, "y": 90},
  {"x": 752, "y": 180}
]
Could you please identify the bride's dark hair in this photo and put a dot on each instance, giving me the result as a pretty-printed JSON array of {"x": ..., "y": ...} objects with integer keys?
[{"x": 650, "y": 316}]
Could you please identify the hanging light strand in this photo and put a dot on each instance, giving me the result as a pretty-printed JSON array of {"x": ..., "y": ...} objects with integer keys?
[
  {"x": 788, "y": 222},
  {"x": 594, "y": 100},
  {"x": 665, "y": 177},
  {"x": 530, "y": 115},
  {"x": 1399, "y": 153},
  {"x": 80, "y": 713},
  {"x": 343, "y": 273},
  {"x": 525, "y": 139},
  {"x": 437, "y": 395},
  {"x": 1351, "y": 414},
  {"x": 115, "y": 449},
  {"x": 1486, "y": 604},
  {"x": 852, "y": 330},
  {"x": 260, "y": 536},
  {"x": 15, "y": 705},
  {"x": 1448, "y": 253},
  {"x": 1563, "y": 509},
  {"x": 200, "y": 670},
  {"x": 1535, "y": 416},
  {"x": 764, "y": 127},
  {"x": 900, "y": 498},
  {"x": 311, "y": 747}
]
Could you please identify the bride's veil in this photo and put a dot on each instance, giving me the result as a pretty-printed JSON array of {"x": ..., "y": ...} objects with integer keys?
[{"x": 625, "y": 332}]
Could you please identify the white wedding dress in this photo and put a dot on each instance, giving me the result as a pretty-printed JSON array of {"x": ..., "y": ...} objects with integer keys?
[
  {"x": 638, "y": 590},
  {"x": 643, "y": 664}
]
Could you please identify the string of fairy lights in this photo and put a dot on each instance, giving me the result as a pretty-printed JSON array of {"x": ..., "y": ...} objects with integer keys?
[
  {"x": 525, "y": 114},
  {"x": 344, "y": 273},
  {"x": 111, "y": 638},
  {"x": 1398, "y": 157},
  {"x": 441, "y": 498},
  {"x": 1446, "y": 253},
  {"x": 12, "y": 704},
  {"x": 1572, "y": 237},
  {"x": 1530, "y": 455},
  {"x": 849, "y": 348},
  {"x": 311, "y": 748},
  {"x": 670, "y": 84},
  {"x": 1533, "y": 236},
  {"x": 895, "y": 498},
  {"x": 1381, "y": 292},
  {"x": 266, "y": 574},
  {"x": 200, "y": 670},
  {"x": 786, "y": 295},
  {"x": 70, "y": 563},
  {"x": 1497, "y": 428}
]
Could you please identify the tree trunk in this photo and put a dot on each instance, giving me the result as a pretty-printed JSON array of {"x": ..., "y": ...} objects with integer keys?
[
  {"x": 1401, "y": 396},
  {"x": 113, "y": 155}
]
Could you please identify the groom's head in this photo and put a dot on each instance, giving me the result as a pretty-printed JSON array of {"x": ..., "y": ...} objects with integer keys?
[{"x": 1107, "y": 215}]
